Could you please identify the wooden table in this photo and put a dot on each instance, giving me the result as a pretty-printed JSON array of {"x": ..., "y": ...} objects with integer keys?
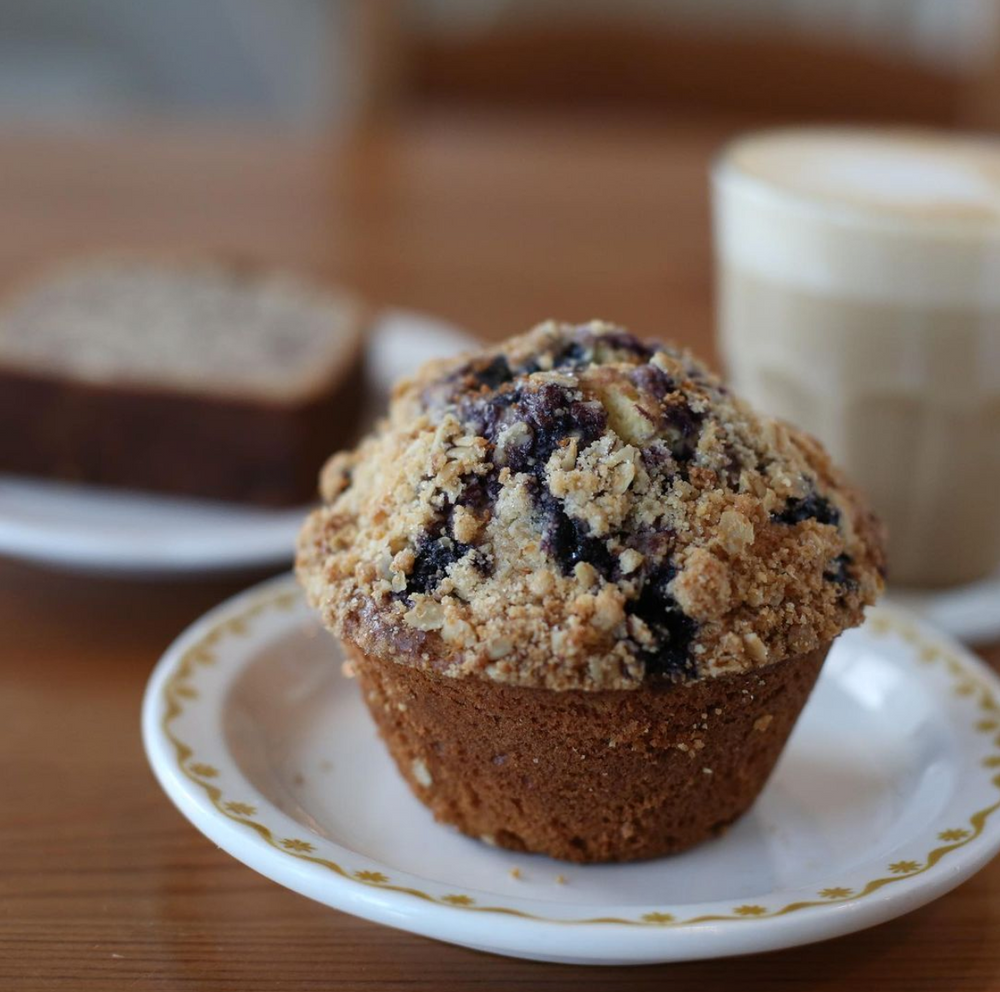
[{"x": 103, "y": 886}]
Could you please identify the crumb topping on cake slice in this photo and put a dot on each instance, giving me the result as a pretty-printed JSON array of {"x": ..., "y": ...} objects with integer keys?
[{"x": 577, "y": 509}]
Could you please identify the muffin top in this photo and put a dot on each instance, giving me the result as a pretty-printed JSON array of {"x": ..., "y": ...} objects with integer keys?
[{"x": 576, "y": 509}]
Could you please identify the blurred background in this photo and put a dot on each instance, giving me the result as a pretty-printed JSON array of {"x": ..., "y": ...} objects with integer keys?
[
  {"x": 356, "y": 138},
  {"x": 321, "y": 64}
]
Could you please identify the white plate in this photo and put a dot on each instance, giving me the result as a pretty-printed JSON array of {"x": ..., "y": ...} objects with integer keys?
[
  {"x": 106, "y": 530},
  {"x": 970, "y": 613},
  {"x": 886, "y": 797}
]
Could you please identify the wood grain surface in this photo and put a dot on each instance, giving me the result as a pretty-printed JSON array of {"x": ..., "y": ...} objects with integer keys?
[{"x": 103, "y": 886}]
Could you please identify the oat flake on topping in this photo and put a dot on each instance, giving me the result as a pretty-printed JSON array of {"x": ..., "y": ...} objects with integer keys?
[{"x": 576, "y": 509}]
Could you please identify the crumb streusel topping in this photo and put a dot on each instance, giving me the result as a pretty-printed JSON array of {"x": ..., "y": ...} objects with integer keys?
[{"x": 576, "y": 509}]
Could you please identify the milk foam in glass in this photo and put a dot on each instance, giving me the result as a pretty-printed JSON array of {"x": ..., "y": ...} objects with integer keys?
[{"x": 859, "y": 297}]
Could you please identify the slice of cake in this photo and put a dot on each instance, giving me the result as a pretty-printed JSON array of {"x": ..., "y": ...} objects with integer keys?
[{"x": 204, "y": 378}]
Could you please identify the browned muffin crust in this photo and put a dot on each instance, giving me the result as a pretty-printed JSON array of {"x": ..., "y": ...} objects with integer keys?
[
  {"x": 587, "y": 776},
  {"x": 578, "y": 510}
]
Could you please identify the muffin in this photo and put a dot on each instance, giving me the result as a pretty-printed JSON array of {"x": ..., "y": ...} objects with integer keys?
[{"x": 586, "y": 590}]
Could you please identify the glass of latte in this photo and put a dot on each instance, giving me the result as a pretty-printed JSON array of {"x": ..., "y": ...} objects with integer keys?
[{"x": 859, "y": 297}]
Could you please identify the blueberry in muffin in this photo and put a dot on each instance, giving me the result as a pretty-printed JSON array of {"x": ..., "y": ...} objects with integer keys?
[{"x": 586, "y": 589}]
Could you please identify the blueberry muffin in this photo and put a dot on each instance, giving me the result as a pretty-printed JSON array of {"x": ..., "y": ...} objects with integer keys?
[{"x": 586, "y": 590}]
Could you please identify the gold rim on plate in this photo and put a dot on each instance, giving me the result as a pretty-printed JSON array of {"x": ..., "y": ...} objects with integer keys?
[{"x": 180, "y": 694}]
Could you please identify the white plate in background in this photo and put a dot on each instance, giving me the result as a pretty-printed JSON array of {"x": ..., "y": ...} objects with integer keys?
[
  {"x": 119, "y": 531},
  {"x": 970, "y": 613},
  {"x": 887, "y": 796}
]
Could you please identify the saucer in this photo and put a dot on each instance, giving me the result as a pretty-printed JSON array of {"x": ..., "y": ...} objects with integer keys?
[
  {"x": 124, "y": 532},
  {"x": 886, "y": 797}
]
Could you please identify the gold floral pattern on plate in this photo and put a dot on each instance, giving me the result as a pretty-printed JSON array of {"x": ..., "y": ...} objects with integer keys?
[{"x": 179, "y": 694}]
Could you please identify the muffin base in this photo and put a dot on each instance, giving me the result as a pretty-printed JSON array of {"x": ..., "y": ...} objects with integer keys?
[{"x": 587, "y": 776}]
